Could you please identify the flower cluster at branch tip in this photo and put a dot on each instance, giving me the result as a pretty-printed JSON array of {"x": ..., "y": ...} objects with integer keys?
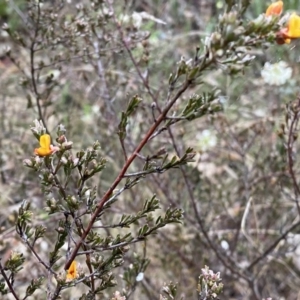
[
  {"x": 276, "y": 74},
  {"x": 292, "y": 29},
  {"x": 45, "y": 148},
  {"x": 210, "y": 285},
  {"x": 117, "y": 296},
  {"x": 210, "y": 275},
  {"x": 72, "y": 271}
]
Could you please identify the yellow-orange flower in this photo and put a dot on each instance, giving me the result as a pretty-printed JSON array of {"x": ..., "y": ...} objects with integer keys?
[
  {"x": 292, "y": 31},
  {"x": 293, "y": 28},
  {"x": 275, "y": 9},
  {"x": 72, "y": 271},
  {"x": 45, "y": 148}
]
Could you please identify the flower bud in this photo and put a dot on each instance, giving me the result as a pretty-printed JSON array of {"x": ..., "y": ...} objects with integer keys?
[
  {"x": 61, "y": 139},
  {"x": 275, "y": 9},
  {"x": 67, "y": 145},
  {"x": 28, "y": 163},
  {"x": 64, "y": 160}
]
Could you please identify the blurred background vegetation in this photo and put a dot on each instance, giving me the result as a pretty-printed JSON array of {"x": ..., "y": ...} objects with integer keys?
[{"x": 237, "y": 196}]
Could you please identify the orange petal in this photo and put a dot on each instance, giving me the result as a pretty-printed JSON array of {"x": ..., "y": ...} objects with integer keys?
[
  {"x": 42, "y": 151},
  {"x": 72, "y": 271},
  {"x": 275, "y": 9}
]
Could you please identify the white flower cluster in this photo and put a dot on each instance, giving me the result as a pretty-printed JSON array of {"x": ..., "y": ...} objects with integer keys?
[
  {"x": 207, "y": 139},
  {"x": 276, "y": 74},
  {"x": 117, "y": 296},
  {"x": 137, "y": 18}
]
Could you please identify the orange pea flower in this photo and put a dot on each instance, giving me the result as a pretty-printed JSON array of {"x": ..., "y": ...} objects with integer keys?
[
  {"x": 292, "y": 31},
  {"x": 72, "y": 271},
  {"x": 275, "y": 9},
  {"x": 45, "y": 148}
]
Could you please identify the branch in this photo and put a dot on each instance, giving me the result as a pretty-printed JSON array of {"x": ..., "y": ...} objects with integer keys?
[
  {"x": 290, "y": 142},
  {"x": 270, "y": 249},
  {"x": 32, "y": 68},
  {"x": 8, "y": 282},
  {"x": 38, "y": 258},
  {"x": 228, "y": 262},
  {"x": 127, "y": 47},
  {"x": 135, "y": 153}
]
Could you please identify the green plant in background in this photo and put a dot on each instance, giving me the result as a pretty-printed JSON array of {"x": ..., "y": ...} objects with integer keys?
[
  {"x": 110, "y": 203},
  {"x": 11, "y": 12}
]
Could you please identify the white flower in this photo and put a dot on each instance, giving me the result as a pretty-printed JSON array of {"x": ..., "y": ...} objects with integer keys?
[
  {"x": 207, "y": 139},
  {"x": 117, "y": 296},
  {"x": 124, "y": 18},
  {"x": 137, "y": 19},
  {"x": 140, "y": 277},
  {"x": 90, "y": 113},
  {"x": 224, "y": 245},
  {"x": 207, "y": 41},
  {"x": 276, "y": 74}
]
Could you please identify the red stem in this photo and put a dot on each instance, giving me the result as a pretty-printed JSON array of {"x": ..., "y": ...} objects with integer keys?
[{"x": 106, "y": 196}]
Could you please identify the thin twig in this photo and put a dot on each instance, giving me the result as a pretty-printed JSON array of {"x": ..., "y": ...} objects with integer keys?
[
  {"x": 244, "y": 219},
  {"x": 122, "y": 142},
  {"x": 38, "y": 258},
  {"x": 77, "y": 222},
  {"x": 8, "y": 282},
  {"x": 127, "y": 47},
  {"x": 142, "y": 173},
  {"x": 275, "y": 243},
  {"x": 32, "y": 68},
  {"x": 228, "y": 263},
  {"x": 122, "y": 244},
  {"x": 21, "y": 15},
  {"x": 290, "y": 143}
]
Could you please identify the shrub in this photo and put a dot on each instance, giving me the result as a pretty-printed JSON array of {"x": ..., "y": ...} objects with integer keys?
[{"x": 159, "y": 150}]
